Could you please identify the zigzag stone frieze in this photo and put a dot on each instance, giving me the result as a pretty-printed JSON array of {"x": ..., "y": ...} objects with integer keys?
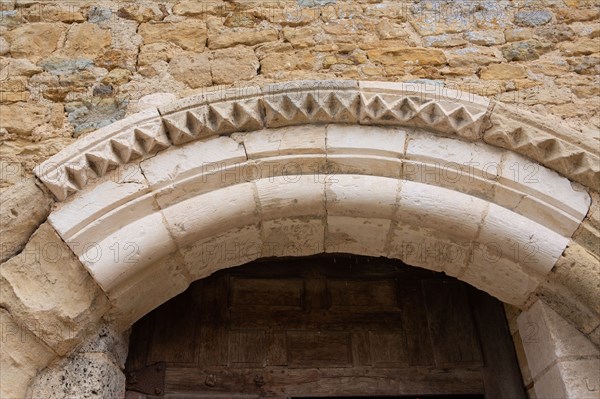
[
  {"x": 128, "y": 140},
  {"x": 249, "y": 108}
]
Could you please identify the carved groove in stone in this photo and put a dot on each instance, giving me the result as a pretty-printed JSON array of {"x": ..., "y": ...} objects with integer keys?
[{"x": 306, "y": 102}]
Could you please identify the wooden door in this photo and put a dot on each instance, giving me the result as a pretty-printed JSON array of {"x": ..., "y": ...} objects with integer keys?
[{"x": 325, "y": 326}]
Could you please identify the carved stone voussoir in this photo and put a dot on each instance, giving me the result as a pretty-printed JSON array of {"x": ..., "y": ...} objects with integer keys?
[
  {"x": 225, "y": 110},
  {"x": 560, "y": 148},
  {"x": 128, "y": 140}
]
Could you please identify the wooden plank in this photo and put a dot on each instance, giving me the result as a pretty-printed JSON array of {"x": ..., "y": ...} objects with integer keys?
[
  {"x": 174, "y": 332},
  {"x": 373, "y": 295},
  {"x": 272, "y": 293},
  {"x": 414, "y": 323},
  {"x": 247, "y": 348},
  {"x": 319, "y": 349},
  {"x": 360, "y": 381},
  {"x": 501, "y": 374},
  {"x": 277, "y": 350},
  {"x": 388, "y": 349},
  {"x": 451, "y": 326},
  {"x": 213, "y": 339}
]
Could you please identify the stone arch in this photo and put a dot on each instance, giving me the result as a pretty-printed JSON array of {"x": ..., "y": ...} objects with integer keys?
[{"x": 441, "y": 179}]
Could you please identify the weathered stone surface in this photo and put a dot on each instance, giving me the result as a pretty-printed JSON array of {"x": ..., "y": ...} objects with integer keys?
[
  {"x": 579, "y": 272},
  {"x": 86, "y": 40},
  {"x": 302, "y": 37},
  {"x": 35, "y": 40},
  {"x": 486, "y": 38},
  {"x": 4, "y": 46},
  {"x": 517, "y": 34},
  {"x": 223, "y": 39},
  {"x": 558, "y": 355},
  {"x": 583, "y": 46},
  {"x": 192, "y": 69},
  {"x": 46, "y": 287},
  {"x": 524, "y": 51},
  {"x": 234, "y": 64},
  {"x": 86, "y": 375},
  {"x": 189, "y": 34},
  {"x": 407, "y": 55},
  {"x": 451, "y": 40},
  {"x": 533, "y": 17},
  {"x": 23, "y": 208},
  {"x": 22, "y": 355},
  {"x": 22, "y": 118},
  {"x": 503, "y": 72}
]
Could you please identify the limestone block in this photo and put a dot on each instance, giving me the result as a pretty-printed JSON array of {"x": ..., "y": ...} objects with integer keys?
[
  {"x": 451, "y": 213},
  {"x": 290, "y": 196},
  {"x": 92, "y": 156},
  {"x": 23, "y": 207},
  {"x": 34, "y": 40},
  {"x": 190, "y": 34},
  {"x": 192, "y": 69},
  {"x": 83, "y": 219},
  {"x": 22, "y": 355},
  {"x": 78, "y": 43},
  {"x": 284, "y": 141},
  {"x": 86, "y": 375},
  {"x": 470, "y": 168},
  {"x": 301, "y": 102},
  {"x": 356, "y": 235},
  {"x": 564, "y": 150},
  {"x": 579, "y": 272},
  {"x": 209, "y": 214},
  {"x": 195, "y": 168},
  {"x": 46, "y": 287},
  {"x": 121, "y": 255},
  {"x": 143, "y": 292},
  {"x": 110, "y": 339},
  {"x": 366, "y": 150},
  {"x": 498, "y": 276},
  {"x": 520, "y": 240},
  {"x": 422, "y": 105},
  {"x": 531, "y": 178},
  {"x": 356, "y": 139},
  {"x": 549, "y": 338},
  {"x": 233, "y": 247},
  {"x": 293, "y": 237},
  {"x": 364, "y": 196},
  {"x": 232, "y": 65},
  {"x": 428, "y": 248}
]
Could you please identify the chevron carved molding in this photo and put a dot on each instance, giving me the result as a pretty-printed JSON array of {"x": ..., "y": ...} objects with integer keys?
[{"x": 243, "y": 109}]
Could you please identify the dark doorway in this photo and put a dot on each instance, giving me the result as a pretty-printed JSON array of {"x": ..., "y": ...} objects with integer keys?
[{"x": 334, "y": 326}]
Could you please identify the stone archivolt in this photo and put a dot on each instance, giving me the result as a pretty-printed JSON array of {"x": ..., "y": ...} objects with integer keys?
[
  {"x": 284, "y": 104},
  {"x": 168, "y": 196}
]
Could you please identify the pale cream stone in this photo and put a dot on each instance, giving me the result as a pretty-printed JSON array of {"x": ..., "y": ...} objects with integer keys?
[
  {"x": 451, "y": 213},
  {"x": 520, "y": 240},
  {"x": 428, "y": 248},
  {"x": 22, "y": 355},
  {"x": 534, "y": 179},
  {"x": 498, "y": 276},
  {"x": 209, "y": 214},
  {"x": 195, "y": 168},
  {"x": 124, "y": 254},
  {"x": 356, "y": 139},
  {"x": 290, "y": 196},
  {"x": 356, "y": 235},
  {"x": 364, "y": 196},
  {"x": 46, "y": 288},
  {"x": 233, "y": 247},
  {"x": 293, "y": 237},
  {"x": 147, "y": 289},
  {"x": 284, "y": 141},
  {"x": 116, "y": 201},
  {"x": 548, "y": 338}
]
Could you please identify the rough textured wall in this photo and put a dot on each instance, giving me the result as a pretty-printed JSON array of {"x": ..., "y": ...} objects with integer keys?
[{"x": 69, "y": 67}]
